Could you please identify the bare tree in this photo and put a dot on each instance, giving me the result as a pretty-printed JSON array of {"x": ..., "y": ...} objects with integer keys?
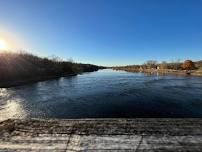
[
  {"x": 151, "y": 64},
  {"x": 163, "y": 65},
  {"x": 70, "y": 60},
  {"x": 55, "y": 58}
]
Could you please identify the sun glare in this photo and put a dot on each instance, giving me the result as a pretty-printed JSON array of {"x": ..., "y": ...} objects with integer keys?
[{"x": 3, "y": 44}]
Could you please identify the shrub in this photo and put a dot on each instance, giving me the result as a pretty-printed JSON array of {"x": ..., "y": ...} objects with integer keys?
[{"x": 188, "y": 65}]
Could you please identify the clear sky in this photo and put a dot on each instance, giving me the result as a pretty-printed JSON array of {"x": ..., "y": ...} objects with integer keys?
[{"x": 106, "y": 32}]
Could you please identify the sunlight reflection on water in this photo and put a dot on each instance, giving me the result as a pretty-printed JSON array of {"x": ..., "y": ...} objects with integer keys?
[{"x": 10, "y": 108}]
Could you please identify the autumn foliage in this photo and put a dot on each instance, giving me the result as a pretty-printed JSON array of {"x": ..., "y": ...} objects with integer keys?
[{"x": 188, "y": 65}]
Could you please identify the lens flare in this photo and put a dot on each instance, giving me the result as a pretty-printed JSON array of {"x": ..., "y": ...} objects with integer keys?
[{"x": 3, "y": 44}]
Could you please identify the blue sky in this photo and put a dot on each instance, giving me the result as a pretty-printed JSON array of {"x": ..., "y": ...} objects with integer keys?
[{"x": 107, "y": 32}]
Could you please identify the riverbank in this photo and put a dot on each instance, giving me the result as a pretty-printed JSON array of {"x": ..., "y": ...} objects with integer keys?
[
  {"x": 23, "y": 68},
  {"x": 142, "y": 134},
  {"x": 15, "y": 83},
  {"x": 163, "y": 71}
]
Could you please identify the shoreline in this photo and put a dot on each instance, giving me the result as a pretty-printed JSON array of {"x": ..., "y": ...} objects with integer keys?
[
  {"x": 15, "y": 83},
  {"x": 22, "y": 68},
  {"x": 21, "y": 82},
  {"x": 163, "y": 72}
]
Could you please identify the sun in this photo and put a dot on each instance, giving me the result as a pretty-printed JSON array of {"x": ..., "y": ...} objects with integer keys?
[{"x": 3, "y": 44}]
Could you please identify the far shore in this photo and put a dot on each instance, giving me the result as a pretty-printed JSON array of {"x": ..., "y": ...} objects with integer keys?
[{"x": 163, "y": 71}]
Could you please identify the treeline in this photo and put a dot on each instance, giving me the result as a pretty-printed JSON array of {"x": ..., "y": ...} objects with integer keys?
[
  {"x": 153, "y": 64},
  {"x": 19, "y": 66}
]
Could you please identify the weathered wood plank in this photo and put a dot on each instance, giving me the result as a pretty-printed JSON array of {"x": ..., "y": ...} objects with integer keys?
[{"x": 101, "y": 135}]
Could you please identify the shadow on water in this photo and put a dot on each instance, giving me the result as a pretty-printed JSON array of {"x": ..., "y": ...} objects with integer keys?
[{"x": 105, "y": 94}]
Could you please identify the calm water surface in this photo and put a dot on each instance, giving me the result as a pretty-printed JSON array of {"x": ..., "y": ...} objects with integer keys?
[{"x": 105, "y": 93}]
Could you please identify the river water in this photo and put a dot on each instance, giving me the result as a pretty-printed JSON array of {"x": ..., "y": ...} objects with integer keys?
[{"x": 105, "y": 94}]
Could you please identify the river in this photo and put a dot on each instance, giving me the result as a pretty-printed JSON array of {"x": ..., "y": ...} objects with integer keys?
[{"x": 105, "y": 94}]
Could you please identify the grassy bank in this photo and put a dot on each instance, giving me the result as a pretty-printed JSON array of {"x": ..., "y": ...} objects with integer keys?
[{"x": 21, "y": 68}]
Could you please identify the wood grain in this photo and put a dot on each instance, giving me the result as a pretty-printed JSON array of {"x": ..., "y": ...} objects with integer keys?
[{"x": 101, "y": 135}]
